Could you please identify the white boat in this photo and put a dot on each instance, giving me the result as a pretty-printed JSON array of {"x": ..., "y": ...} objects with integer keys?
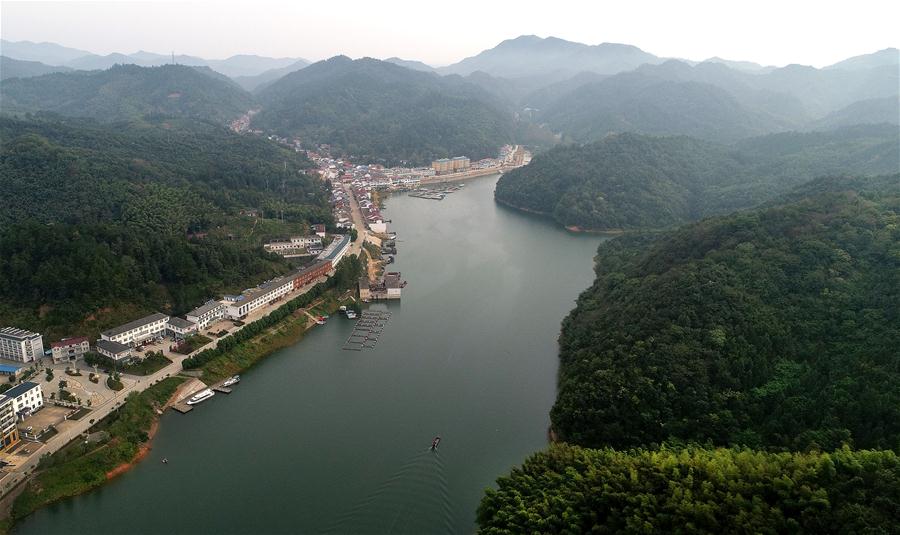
[
  {"x": 203, "y": 395},
  {"x": 233, "y": 380},
  {"x": 351, "y": 315}
]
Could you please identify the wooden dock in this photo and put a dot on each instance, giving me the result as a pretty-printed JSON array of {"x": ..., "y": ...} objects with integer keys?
[
  {"x": 222, "y": 389},
  {"x": 183, "y": 408}
]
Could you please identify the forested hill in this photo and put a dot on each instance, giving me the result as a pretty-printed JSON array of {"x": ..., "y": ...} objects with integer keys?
[
  {"x": 629, "y": 181},
  {"x": 377, "y": 111},
  {"x": 96, "y": 217},
  {"x": 772, "y": 333},
  {"x": 573, "y": 490},
  {"x": 125, "y": 92},
  {"x": 776, "y": 329}
]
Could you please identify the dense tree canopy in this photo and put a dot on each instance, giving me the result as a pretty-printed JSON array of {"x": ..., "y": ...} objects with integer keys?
[
  {"x": 634, "y": 181},
  {"x": 125, "y": 92},
  {"x": 777, "y": 328},
  {"x": 377, "y": 111},
  {"x": 97, "y": 217},
  {"x": 573, "y": 490}
]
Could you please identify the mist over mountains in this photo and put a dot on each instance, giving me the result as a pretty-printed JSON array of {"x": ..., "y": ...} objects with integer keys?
[{"x": 531, "y": 90}]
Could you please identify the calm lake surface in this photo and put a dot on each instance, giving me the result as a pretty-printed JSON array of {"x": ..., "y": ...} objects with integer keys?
[{"x": 318, "y": 439}]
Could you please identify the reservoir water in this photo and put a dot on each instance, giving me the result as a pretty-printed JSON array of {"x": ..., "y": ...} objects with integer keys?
[{"x": 317, "y": 439}]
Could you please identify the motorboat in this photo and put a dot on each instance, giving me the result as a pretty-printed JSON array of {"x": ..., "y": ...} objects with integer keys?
[
  {"x": 201, "y": 396},
  {"x": 435, "y": 442},
  {"x": 233, "y": 380}
]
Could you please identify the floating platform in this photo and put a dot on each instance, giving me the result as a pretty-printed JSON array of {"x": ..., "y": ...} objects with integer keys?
[
  {"x": 183, "y": 408},
  {"x": 222, "y": 389},
  {"x": 366, "y": 330}
]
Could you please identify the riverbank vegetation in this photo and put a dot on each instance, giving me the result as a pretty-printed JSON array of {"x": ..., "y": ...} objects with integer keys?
[
  {"x": 773, "y": 332},
  {"x": 568, "y": 489},
  {"x": 280, "y": 328},
  {"x": 630, "y": 181},
  {"x": 81, "y": 466}
]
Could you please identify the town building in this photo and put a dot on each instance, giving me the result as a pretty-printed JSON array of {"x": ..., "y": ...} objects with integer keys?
[
  {"x": 180, "y": 328},
  {"x": 450, "y": 165},
  {"x": 309, "y": 274},
  {"x": 238, "y": 306},
  {"x": 113, "y": 350},
  {"x": 295, "y": 246},
  {"x": 206, "y": 314},
  {"x": 319, "y": 230},
  {"x": 336, "y": 249},
  {"x": 20, "y": 345},
  {"x": 389, "y": 287},
  {"x": 69, "y": 349},
  {"x": 27, "y": 397},
  {"x": 135, "y": 332},
  {"x": 10, "y": 370},
  {"x": 9, "y": 432}
]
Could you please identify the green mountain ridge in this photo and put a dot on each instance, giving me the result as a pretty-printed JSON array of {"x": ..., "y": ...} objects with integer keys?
[
  {"x": 629, "y": 181},
  {"x": 126, "y": 92},
  {"x": 378, "y": 111},
  {"x": 117, "y": 201}
]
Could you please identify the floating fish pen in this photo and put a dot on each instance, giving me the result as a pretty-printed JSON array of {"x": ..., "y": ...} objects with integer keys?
[{"x": 366, "y": 330}]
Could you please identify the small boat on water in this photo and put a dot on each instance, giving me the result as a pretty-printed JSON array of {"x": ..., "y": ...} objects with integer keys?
[
  {"x": 201, "y": 396},
  {"x": 320, "y": 322},
  {"x": 233, "y": 380},
  {"x": 351, "y": 315},
  {"x": 435, "y": 443}
]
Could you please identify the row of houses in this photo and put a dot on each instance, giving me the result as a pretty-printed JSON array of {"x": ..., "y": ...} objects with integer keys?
[{"x": 119, "y": 342}]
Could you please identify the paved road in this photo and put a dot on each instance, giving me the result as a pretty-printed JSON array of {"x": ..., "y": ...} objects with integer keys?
[{"x": 358, "y": 222}]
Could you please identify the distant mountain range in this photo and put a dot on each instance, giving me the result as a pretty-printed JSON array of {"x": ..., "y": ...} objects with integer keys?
[
  {"x": 531, "y": 90},
  {"x": 57, "y": 55},
  {"x": 14, "y": 68},
  {"x": 530, "y": 55}
]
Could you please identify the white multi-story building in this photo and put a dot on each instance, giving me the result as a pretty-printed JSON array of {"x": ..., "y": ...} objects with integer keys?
[
  {"x": 296, "y": 242},
  {"x": 206, "y": 314},
  {"x": 20, "y": 345},
  {"x": 27, "y": 398},
  {"x": 240, "y": 305},
  {"x": 69, "y": 349},
  {"x": 137, "y": 331}
]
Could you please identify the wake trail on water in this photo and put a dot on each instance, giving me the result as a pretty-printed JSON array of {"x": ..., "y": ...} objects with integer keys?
[{"x": 413, "y": 499}]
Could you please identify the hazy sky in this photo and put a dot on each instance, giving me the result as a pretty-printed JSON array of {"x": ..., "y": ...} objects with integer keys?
[{"x": 774, "y": 32}]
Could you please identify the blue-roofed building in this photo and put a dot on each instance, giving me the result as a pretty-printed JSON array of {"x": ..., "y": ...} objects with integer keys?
[{"x": 10, "y": 370}]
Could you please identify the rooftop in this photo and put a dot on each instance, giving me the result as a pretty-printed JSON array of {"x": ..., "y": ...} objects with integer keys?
[
  {"x": 204, "y": 308},
  {"x": 69, "y": 341},
  {"x": 112, "y": 347},
  {"x": 18, "y": 390},
  {"x": 18, "y": 334},
  {"x": 181, "y": 323},
  {"x": 9, "y": 368},
  {"x": 135, "y": 324}
]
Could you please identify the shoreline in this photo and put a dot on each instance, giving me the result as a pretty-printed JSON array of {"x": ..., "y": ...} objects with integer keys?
[
  {"x": 286, "y": 332},
  {"x": 575, "y": 229}
]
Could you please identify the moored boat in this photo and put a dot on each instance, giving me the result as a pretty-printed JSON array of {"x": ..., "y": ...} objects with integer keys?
[
  {"x": 201, "y": 396},
  {"x": 233, "y": 380}
]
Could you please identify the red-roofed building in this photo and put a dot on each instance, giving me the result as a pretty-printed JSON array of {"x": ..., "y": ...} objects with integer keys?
[{"x": 69, "y": 349}]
